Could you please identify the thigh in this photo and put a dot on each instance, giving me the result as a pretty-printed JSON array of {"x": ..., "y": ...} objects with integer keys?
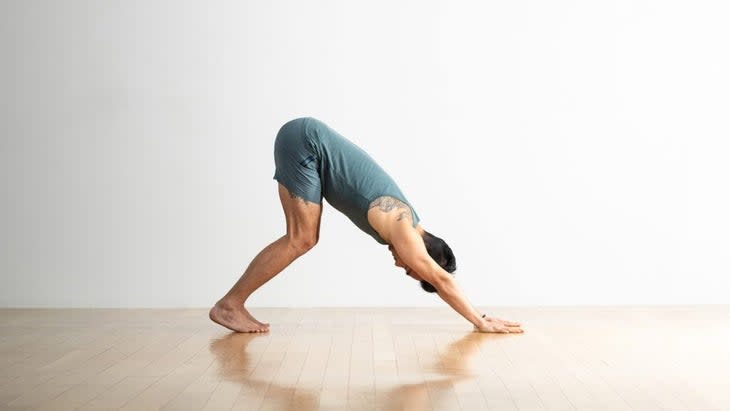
[
  {"x": 297, "y": 163},
  {"x": 303, "y": 217}
]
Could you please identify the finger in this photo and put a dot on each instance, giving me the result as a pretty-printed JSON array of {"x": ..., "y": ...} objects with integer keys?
[{"x": 505, "y": 322}]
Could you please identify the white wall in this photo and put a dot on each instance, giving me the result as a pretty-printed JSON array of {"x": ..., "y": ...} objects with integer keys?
[{"x": 570, "y": 152}]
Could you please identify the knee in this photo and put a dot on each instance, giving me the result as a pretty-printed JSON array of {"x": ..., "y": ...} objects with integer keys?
[{"x": 303, "y": 243}]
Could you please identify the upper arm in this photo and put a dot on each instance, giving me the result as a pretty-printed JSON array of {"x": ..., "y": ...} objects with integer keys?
[{"x": 410, "y": 248}]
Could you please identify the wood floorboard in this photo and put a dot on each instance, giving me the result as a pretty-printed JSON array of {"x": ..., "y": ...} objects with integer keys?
[{"x": 569, "y": 358}]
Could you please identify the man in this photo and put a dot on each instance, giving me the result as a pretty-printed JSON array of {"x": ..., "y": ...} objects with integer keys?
[{"x": 313, "y": 162}]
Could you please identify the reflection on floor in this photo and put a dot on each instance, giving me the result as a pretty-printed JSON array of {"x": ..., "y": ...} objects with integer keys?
[{"x": 610, "y": 358}]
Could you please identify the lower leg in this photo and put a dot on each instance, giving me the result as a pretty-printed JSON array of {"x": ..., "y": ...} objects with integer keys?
[
  {"x": 229, "y": 311},
  {"x": 266, "y": 265}
]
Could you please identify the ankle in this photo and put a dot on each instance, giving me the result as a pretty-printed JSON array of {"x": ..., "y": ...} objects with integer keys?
[{"x": 231, "y": 302}]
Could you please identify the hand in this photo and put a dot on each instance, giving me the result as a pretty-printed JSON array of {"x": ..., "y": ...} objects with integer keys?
[
  {"x": 505, "y": 322},
  {"x": 493, "y": 325}
]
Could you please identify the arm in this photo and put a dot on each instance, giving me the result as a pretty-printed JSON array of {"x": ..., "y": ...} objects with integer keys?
[{"x": 409, "y": 246}]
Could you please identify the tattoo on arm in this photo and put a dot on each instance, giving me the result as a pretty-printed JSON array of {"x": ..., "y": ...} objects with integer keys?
[
  {"x": 387, "y": 204},
  {"x": 298, "y": 199}
]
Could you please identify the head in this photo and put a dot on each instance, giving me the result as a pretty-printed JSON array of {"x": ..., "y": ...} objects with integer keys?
[{"x": 439, "y": 251}]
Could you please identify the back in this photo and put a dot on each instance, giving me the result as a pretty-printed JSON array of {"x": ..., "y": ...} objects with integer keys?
[{"x": 351, "y": 179}]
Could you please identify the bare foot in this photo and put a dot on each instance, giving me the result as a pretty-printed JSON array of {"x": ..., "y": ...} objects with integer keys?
[
  {"x": 227, "y": 302},
  {"x": 235, "y": 318},
  {"x": 250, "y": 317}
]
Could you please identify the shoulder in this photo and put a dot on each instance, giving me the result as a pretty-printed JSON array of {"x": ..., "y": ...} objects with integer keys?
[
  {"x": 387, "y": 204},
  {"x": 387, "y": 215}
]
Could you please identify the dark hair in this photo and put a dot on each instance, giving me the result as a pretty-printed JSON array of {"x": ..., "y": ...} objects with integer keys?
[{"x": 441, "y": 253}]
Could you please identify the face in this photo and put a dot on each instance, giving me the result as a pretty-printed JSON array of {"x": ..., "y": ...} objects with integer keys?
[{"x": 400, "y": 263}]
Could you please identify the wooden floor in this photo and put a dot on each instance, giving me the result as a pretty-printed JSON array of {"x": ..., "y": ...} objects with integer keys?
[{"x": 585, "y": 358}]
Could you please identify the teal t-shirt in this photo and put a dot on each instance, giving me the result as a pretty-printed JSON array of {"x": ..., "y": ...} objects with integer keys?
[{"x": 350, "y": 178}]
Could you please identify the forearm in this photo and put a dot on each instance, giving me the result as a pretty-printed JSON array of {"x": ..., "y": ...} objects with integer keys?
[{"x": 449, "y": 291}]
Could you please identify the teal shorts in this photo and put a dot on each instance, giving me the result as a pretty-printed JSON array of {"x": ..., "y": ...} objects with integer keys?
[{"x": 297, "y": 162}]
